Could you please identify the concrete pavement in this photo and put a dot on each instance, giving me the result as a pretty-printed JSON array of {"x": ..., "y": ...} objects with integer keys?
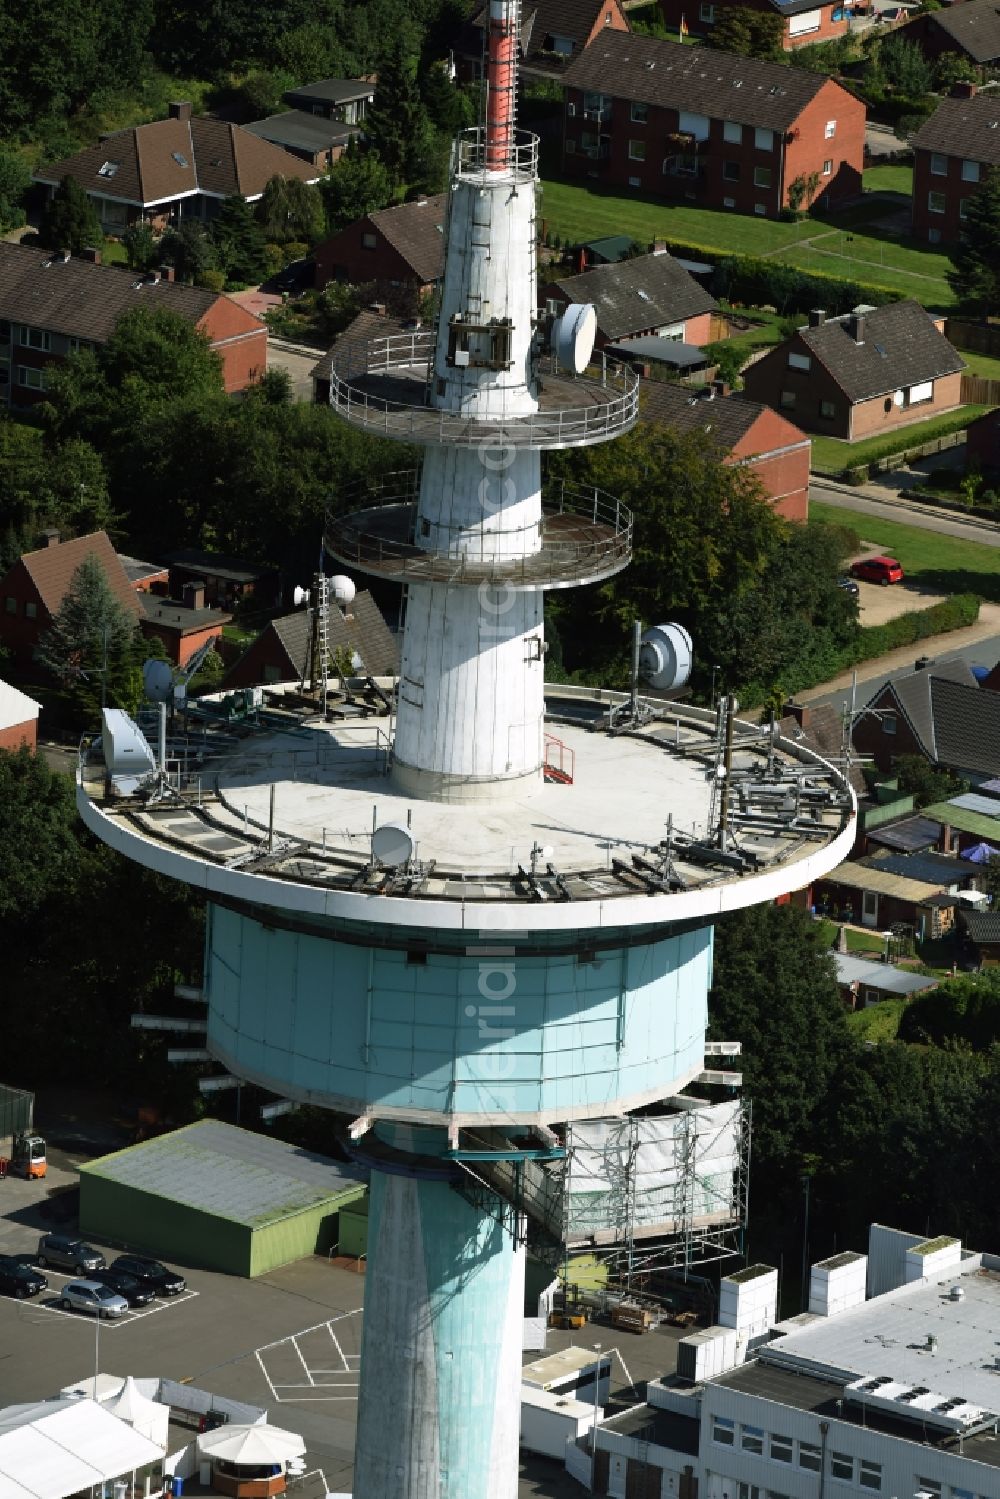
[{"x": 880, "y": 502}]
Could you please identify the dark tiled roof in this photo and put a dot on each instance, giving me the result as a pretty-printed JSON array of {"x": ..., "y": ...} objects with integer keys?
[
  {"x": 51, "y": 570},
  {"x": 974, "y": 26},
  {"x": 572, "y": 19},
  {"x": 163, "y": 160},
  {"x": 909, "y": 834},
  {"x": 216, "y": 565},
  {"x": 83, "y": 300},
  {"x": 364, "y": 631},
  {"x": 935, "y": 869},
  {"x": 763, "y": 94},
  {"x": 901, "y": 347},
  {"x": 416, "y": 232},
  {"x": 305, "y": 132},
  {"x": 982, "y": 926},
  {"x": 726, "y": 419},
  {"x": 645, "y": 292},
  {"x": 824, "y": 731},
  {"x": 913, "y": 695},
  {"x": 966, "y": 727},
  {"x": 175, "y": 616},
  {"x": 333, "y": 90},
  {"x": 964, "y": 127},
  {"x": 357, "y": 335}
]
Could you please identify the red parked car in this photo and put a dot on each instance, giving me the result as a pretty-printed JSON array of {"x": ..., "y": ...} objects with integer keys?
[{"x": 882, "y": 570}]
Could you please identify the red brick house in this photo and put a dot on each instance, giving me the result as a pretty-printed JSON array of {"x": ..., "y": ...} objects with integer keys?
[
  {"x": 748, "y": 434},
  {"x": 229, "y": 582},
  {"x": 707, "y": 127},
  {"x": 649, "y": 294},
  {"x": 32, "y": 591},
  {"x": 18, "y": 718},
  {"x": 952, "y": 153},
  {"x": 939, "y": 712},
  {"x": 401, "y": 247},
  {"x": 553, "y": 33},
  {"x": 806, "y": 21},
  {"x": 183, "y": 625},
  {"x": 183, "y": 166},
  {"x": 51, "y": 306},
  {"x": 866, "y": 372},
  {"x": 281, "y": 651},
  {"x": 970, "y": 30}
]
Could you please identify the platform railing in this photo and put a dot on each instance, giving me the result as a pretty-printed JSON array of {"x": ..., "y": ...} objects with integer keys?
[{"x": 470, "y": 157}]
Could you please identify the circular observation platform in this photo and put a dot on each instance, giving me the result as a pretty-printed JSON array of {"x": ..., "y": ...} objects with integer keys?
[
  {"x": 383, "y": 388},
  {"x": 474, "y": 160},
  {"x": 586, "y": 535}
]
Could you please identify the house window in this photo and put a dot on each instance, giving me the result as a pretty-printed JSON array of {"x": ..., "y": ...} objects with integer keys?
[
  {"x": 635, "y": 182},
  {"x": 963, "y": 208},
  {"x": 831, "y": 129},
  {"x": 639, "y": 113},
  {"x": 34, "y": 338},
  {"x": 799, "y": 361},
  {"x": 939, "y": 164},
  {"x": 637, "y": 150},
  {"x": 970, "y": 171},
  {"x": 10, "y": 604},
  {"x": 571, "y": 146},
  {"x": 781, "y": 1449},
  {"x": 809, "y": 1457},
  {"x": 732, "y": 131},
  {"x": 827, "y": 410},
  {"x": 842, "y": 1467},
  {"x": 936, "y": 202},
  {"x": 706, "y": 13},
  {"x": 76, "y": 344},
  {"x": 4, "y": 331},
  {"x": 369, "y": 241},
  {"x": 933, "y": 236},
  {"x": 32, "y": 379},
  {"x": 750, "y": 1491},
  {"x": 828, "y": 167},
  {"x": 760, "y": 209},
  {"x": 804, "y": 22},
  {"x": 731, "y": 171},
  {"x": 723, "y": 1431},
  {"x": 689, "y": 123},
  {"x": 917, "y": 394},
  {"x": 930, "y": 1485},
  {"x": 870, "y": 1474},
  {"x": 762, "y": 176},
  {"x": 752, "y": 1440},
  {"x": 788, "y": 400},
  {"x": 272, "y": 673},
  {"x": 729, "y": 202},
  {"x": 763, "y": 139},
  {"x": 888, "y": 723},
  {"x": 30, "y": 609}
]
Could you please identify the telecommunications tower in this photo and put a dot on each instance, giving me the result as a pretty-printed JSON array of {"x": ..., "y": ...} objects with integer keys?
[{"x": 475, "y": 921}]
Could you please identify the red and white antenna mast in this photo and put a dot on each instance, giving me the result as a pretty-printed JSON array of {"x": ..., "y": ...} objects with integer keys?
[{"x": 502, "y": 31}]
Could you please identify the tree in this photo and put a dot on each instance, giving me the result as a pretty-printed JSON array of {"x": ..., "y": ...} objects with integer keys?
[
  {"x": 93, "y": 638},
  {"x": 15, "y": 179},
  {"x": 358, "y": 184},
  {"x": 189, "y": 250},
  {"x": 397, "y": 122},
  {"x": 70, "y": 220},
  {"x": 238, "y": 241},
  {"x": 449, "y": 109},
  {"x": 728, "y": 360},
  {"x": 36, "y": 833},
  {"x": 748, "y": 33},
  {"x": 290, "y": 209},
  {"x": 976, "y": 277},
  {"x": 927, "y": 783},
  {"x": 140, "y": 246},
  {"x": 903, "y": 64},
  {"x": 954, "y": 67}
]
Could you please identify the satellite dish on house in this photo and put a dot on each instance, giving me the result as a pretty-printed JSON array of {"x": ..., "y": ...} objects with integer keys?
[
  {"x": 300, "y": 596},
  {"x": 392, "y": 844},
  {"x": 158, "y": 680},
  {"x": 665, "y": 657},
  {"x": 342, "y": 588},
  {"x": 573, "y": 336}
]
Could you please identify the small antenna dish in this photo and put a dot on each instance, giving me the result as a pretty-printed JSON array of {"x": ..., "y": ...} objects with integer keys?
[
  {"x": 392, "y": 844},
  {"x": 665, "y": 657},
  {"x": 157, "y": 679},
  {"x": 300, "y": 596},
  {"x": 573, "y": 336},
  {"x": 342, "y": 589}
]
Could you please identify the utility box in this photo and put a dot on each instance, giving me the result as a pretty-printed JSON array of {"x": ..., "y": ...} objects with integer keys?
[
  {"x": 838, "y": 1283},
  {"x": 549, "y": 1420},
  {"x": 748, "y": 1301},
  {"x": 706, "y": 1354}
]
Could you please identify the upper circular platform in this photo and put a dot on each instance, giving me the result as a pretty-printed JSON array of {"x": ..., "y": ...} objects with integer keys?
[
  {"x": 586, "y": 535},
  {"x": 384, "y": 388},
  {"x": 471, "y": 159}
]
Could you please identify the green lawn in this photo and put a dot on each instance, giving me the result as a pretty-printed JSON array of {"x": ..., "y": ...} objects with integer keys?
[
  {"x": 830, "y": 455},
  {"x": 944, "y": 564},
  {"x": 891, "y": 179}
]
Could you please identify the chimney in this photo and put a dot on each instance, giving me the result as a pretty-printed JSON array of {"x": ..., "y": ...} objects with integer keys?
[
  {"x": 50, "y": 538},
  {"x": 963, "y": 88},
  {"x": 856, "y": 326},
  {"x": 179, "y": 109},
  {"x": 151, "y": 278},
  {"x": 193, "y": 595},
  {"x": 801, "y": 712},
  {"x": 91, "y": 253},
  {"x": 817, "y": 317},
  {"x": 720, "y": 387},
  {"x": 167, "y": 272}
]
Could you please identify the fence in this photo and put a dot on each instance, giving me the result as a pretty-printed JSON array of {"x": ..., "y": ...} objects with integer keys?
[
  {"x": 979, "y": 390},
  {"x": 973, "y": 338}
]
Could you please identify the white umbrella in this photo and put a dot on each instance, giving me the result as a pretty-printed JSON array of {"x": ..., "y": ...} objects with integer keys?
[{"x": 250, "y": 1444}]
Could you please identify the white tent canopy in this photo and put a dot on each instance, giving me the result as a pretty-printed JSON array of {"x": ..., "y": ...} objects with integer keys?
[
  {"x": 141, "y": 1413},
  {"x": 252, "y": 1445},
  {"x": 58, "y": 1447}
]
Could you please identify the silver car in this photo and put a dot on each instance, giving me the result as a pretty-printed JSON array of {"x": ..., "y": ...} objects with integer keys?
[{"x": 89, "y": 1296}]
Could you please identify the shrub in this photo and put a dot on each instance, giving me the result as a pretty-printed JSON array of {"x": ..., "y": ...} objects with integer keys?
[
  {"x": 211, "y": 280},
  {"x": 856, "y": 474},
  {"x": 743, "y": 278}
]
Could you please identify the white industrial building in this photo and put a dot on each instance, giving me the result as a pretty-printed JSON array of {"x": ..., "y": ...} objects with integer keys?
[{"x": 889, "y": 1385}]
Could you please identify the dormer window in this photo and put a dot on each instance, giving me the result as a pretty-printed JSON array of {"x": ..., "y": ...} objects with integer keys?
[
  {"x": 180, "y": 158},
  {"x": 108, "y": 169}
]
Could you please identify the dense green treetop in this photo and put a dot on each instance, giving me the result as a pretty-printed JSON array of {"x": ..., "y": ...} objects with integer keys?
[
  {"x": 976, "y": 277},
  {"x": 70, "y": 219}
]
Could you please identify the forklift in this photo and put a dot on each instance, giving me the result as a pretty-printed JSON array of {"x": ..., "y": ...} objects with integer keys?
[{"x": 27, "y": 1157}]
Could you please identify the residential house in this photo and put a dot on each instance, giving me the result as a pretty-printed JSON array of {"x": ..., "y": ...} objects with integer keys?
[
  {"x": 965, "y": 822},
  {"x": 33, "y": 589},
  {"x": 180, "y": 167},
  {"x": 939, "y": 712},
  {"x": 970, "y": 30},
  {"x": 917, "y": 834},
  {"x": 867, "y": 372},
  {"x": 281, "y": 651},
  {"x": 145, "y": 577},
  {"x": 952, "y": 153},
  {"x": 982, "y": 445},
  {"x": 748, "y": 435},
  {"x": 805, "y": 20},
  {"x": 646, "y": 295},
  {"x": 18, "y": 718},
  {"x": 229, "y": 582},
  {"x": 867, "y": 895},
  {"x": 709, "y": 128},
  {"x": 343, "y": 99},
  {"x": 867, "y": 981},
  {"x": 981, "y": 936},
  {"x": 553, "y": 33},
  {"x": 52, "y": 305},
  {"x": 392, "y": 248},
  {"x": 183, "y": 625},
  {"x": 312, "y": 138}
]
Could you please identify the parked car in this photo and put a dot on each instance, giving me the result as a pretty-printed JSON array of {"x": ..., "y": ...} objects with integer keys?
[
  {"x": 126, "y": 1285},
  {"x": 88, "y": 1296},
  {"x": 19, "y": 1280},
  {"x": 848, "y": 585},
  {"x": 882, "y": 570},
  {"x": 68, "y": 1253},
  {"x": 151, "y": 1274}
]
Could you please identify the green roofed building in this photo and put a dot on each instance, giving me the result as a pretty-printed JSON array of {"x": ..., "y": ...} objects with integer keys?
[{"x": 219, "y": 1197}]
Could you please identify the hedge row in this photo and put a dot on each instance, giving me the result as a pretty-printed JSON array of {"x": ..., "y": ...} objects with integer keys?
[
  {"x": 951, "y": 614},
  {"x": 757, "y": 283}
]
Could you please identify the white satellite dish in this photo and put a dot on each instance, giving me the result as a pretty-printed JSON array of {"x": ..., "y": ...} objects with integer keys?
[
  {"x": 157, "y": 679},
  {"x": 392, "y": 844},
  {"x": 573, "y": 336},
  {"x": 342, "y": 588},
  {"x": 665, "y": 657},
  {"x": 300, "y": 596}
]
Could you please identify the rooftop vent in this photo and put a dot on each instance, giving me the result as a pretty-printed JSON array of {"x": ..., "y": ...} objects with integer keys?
[
  {"x": 108, "y": 169},
  {"x": 957, "y": 1293},
  {"x": 180, "y": 158}
]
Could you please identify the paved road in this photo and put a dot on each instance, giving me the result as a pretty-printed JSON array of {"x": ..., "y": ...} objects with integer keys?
[{"x": 882, "y": 505}]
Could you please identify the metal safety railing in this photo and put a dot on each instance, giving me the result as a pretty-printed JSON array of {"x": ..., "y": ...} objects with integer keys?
[{"x": 470, "y": 157}]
